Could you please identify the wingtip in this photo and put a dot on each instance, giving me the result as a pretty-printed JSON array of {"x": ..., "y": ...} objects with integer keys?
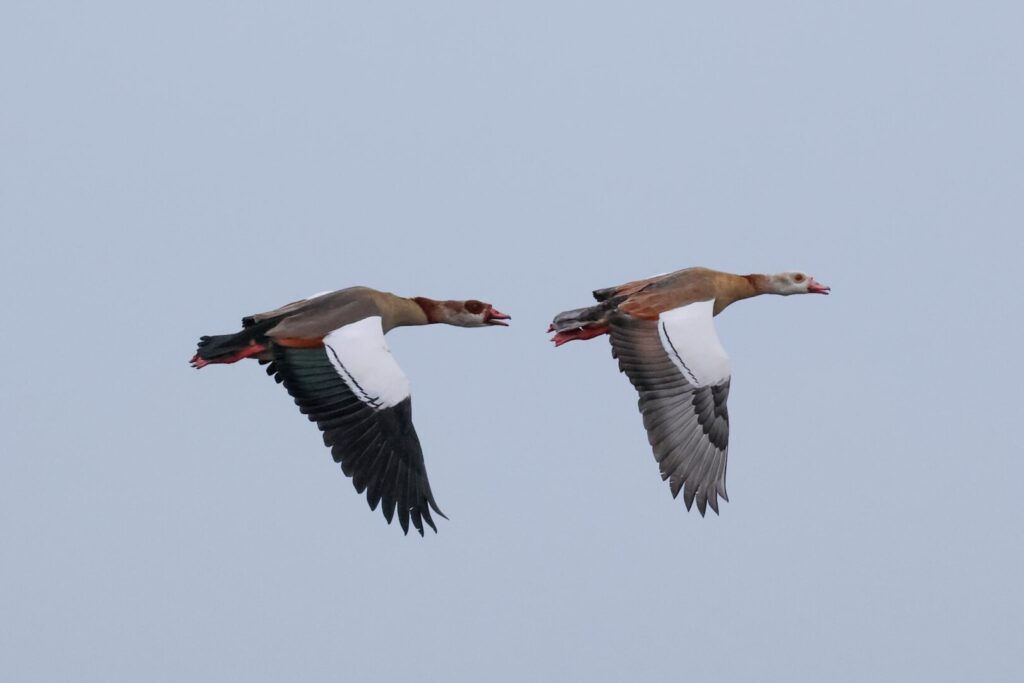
[
  {"x": 403, "y": 518},
  {"x": 428, "y": 520}
]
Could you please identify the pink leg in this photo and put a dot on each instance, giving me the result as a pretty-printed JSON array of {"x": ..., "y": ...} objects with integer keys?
[
  {"x": 251, "y": 350},
  {"x": 580, "y": 333}
]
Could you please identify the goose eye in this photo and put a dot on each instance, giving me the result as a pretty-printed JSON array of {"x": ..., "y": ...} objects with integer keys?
[
  {"x": 799, "y": 277},
  {"x": 474, "y": 306}
]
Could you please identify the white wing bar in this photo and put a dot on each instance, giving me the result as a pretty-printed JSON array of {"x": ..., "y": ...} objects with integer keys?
[
  {"x": 361, "y": 357},
  {"x": 688, "y": 335}
]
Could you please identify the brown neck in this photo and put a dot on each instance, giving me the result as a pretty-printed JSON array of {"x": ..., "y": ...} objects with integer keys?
[
  {"x": 759, "y": 284},
  {"x": 452, "y": 312},
  {"x": 432, "y": 310},
  {"x": 403, "y": 312},
  {"x": 734, "y": 288}
]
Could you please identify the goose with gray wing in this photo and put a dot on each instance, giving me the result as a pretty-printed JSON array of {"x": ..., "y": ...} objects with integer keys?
[{"x": 663, "y": 335}]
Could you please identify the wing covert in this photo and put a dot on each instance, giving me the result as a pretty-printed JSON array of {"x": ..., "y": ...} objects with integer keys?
[
  {"x": 681, "y": 373},
  {"x": 359, "y": 398}
]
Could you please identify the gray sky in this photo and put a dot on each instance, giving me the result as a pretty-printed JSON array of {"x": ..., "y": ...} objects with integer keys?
[{"x": 164, "y": 171}]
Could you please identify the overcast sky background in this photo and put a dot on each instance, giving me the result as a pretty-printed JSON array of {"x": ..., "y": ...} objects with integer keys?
[{"x": 164, "y": 171}]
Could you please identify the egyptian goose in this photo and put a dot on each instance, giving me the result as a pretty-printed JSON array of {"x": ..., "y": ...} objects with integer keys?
[
  {"x": 330, "y": 354},
  {"x": 662, "y": 334}
]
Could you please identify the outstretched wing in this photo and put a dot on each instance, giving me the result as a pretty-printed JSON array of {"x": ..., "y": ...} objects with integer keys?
[
  {"x": 682, "y": 374},
  {"x": 354, "y": 390}
]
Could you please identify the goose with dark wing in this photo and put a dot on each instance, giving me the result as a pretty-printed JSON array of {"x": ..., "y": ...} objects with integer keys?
[{"x": 329, "y": 353}]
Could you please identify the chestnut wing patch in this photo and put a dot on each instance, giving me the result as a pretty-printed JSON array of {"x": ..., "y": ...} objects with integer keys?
[{"x": 681, "y": 373}]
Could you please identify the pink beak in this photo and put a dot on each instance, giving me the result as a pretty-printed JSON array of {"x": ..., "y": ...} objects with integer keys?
[
  {"x": 815, "y": 287},
  {"x": 495, "y": 317}
]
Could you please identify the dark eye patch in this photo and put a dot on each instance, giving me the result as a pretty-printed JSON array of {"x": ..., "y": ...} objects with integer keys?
[
  {"x": 474, "y": 306},
  {"x": 799, "y": 277}
]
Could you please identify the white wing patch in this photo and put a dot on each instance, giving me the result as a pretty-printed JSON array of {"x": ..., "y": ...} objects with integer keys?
[
  {"x": 689, "y": 338},
  {"x": 362, "y": 358}
]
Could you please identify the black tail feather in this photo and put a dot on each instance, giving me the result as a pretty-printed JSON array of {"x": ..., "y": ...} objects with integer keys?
[
  {"x": 582, "y": 317},
  {"x": 212, "y": 347}
]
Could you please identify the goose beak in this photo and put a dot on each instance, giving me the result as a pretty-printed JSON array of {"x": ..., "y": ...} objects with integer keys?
[
  {"x": 815, "y": 287},
  {"x": 496, "y": 317}
]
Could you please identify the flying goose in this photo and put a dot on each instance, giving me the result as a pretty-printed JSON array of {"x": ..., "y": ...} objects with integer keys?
[
  {"x": 330, "y": 354},
  {"x": 662, "y": 334}
]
